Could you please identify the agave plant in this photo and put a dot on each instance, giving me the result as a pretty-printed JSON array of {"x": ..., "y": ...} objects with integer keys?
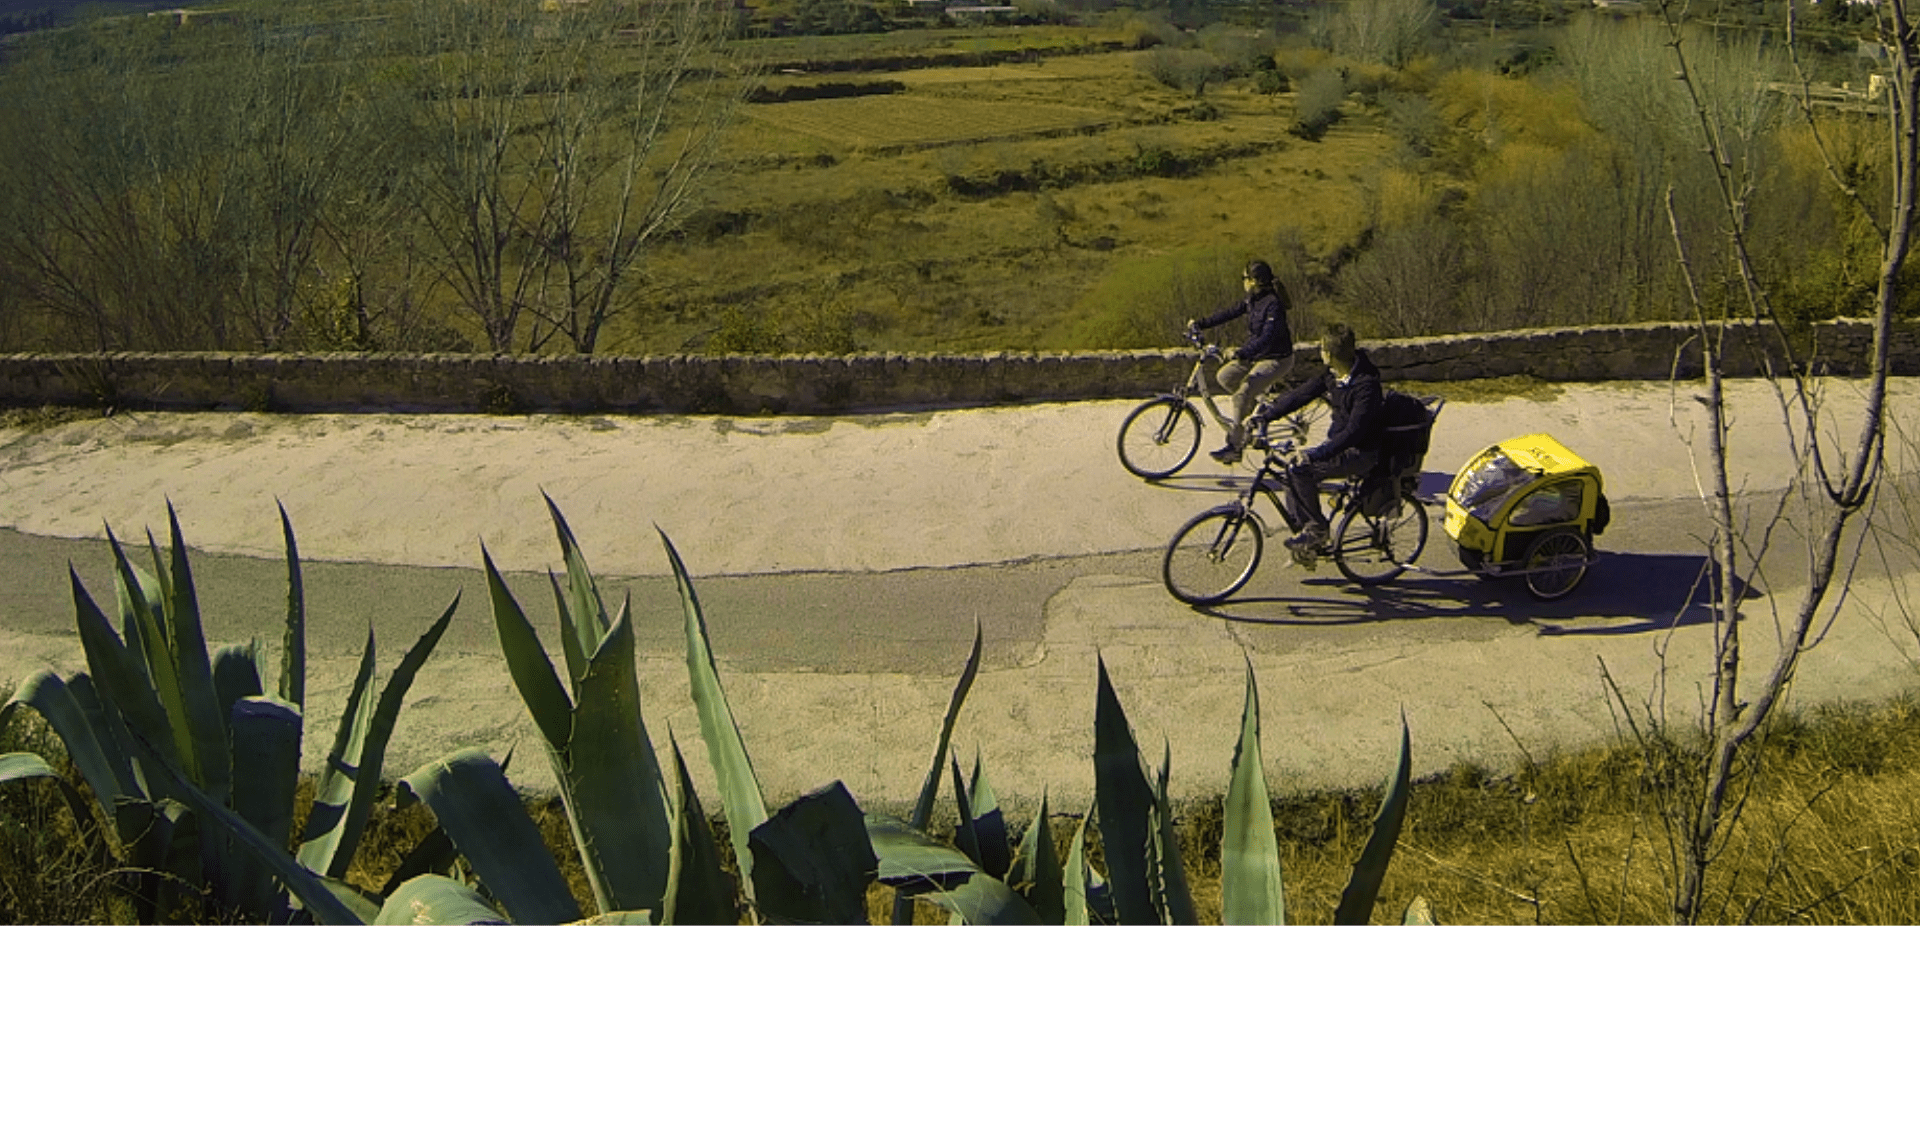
[
  {"x": 194, "y": 766},
  {"x": 640, "y": 829}
]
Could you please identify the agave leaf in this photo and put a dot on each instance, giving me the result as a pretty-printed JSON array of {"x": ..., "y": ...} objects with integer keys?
[
  {"x": 813, "y": 861},
  {"x": 206, "y": 717},
  {"x": 930, "y": 786},
  {"x": 435, "y": 900},
  {"x": 1363, "y": 886},
  {"x": 613, "y": 786},
  {"x": 699, "y": 890},
  {"x": 1418, "y": 913},
  {"x": 1126, "y": 812},
  {"x": 293, "y": 641},
  {"x": 985, "y": 901},
  {"x": 486, "y": 819},
  {"x": 619, "y": 918},
  {"x": 1251, "y": 889},
  {"x": 1074, "y": 900},
  {"x": 304, "y": 884},
  {"x": 527, "y": 662},
  {"x": 1036, "y": 871},
  {"x": 964, "y": 833},
  {"x": 266, "y": 771},
  {"x": 333, "y": 795},
  {"x": 989, "y": 824},
  {"x": 31, "y": 766},
  {"x": 586, "y": 612},
  {"x": 125, "y": 692},
  {"x": 107, "y": 770},
  {"x": 363, "y": 906},
  {"x": 913, "y": 862},
  {"x": 576, "y": 655},
  {"x": 433, "y": 855},
  {"x": 143, "y": 607},
  {"x": 740, "y": 797},
  {"x": 356, "y": 775},
  {"x": 1170, "y": 892},
  {"x": 236, "y": 675}
]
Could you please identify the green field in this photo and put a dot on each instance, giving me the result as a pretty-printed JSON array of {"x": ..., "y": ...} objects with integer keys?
[{"x": 984, "y": 208}]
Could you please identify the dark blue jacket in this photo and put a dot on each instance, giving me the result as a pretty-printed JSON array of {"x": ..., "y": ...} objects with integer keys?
[
  {"x": 1268, "y": 336},
  {"x": 1359, "y": 408}
]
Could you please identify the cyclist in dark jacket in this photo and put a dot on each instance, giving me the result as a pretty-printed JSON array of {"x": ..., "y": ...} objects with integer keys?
[
  {"x": 1352, "y": 387},
  {"x": 1262, "y": 360}
]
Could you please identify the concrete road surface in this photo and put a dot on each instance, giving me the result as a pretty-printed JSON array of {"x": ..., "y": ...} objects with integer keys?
[{"x": 843, "y": 561}]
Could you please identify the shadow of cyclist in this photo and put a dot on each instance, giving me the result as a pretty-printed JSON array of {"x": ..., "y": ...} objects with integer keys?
[{"x": 1624, "y": 593}]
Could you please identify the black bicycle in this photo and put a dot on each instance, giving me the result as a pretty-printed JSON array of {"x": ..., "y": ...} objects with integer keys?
[
  {"x": 1380, "y": 524},
  {"x": 1161, "y": 435}
]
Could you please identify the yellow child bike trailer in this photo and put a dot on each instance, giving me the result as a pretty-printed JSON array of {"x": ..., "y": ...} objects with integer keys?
[{"x": 1528, "y": 507}]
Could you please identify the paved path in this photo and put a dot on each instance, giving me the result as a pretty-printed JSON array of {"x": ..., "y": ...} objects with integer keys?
[{"x": 843, "y": 561}]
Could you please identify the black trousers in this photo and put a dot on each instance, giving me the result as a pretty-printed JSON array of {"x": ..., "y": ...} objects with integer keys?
[{"x": 1303, "y": 484}]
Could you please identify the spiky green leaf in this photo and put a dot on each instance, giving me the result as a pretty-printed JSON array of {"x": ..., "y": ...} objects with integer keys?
[
  {"x": 1252, "y": 892},
  {"x": 293, "y": 640},
  {"x": 206, "y": 718},
  {"x": 1075, "y": 876},
  {"x": 586, "y": 611},
  {"x": 930, "y": 785},
  {"x": 1036, "y": 871},
  {"x": 989, "y": 824},
  {"x": 107, "y": 770},
  {"x": 435, "y": 900},
  {"x": 613, "y": 789},
  {"x": 236, "y": 675},
  {"x": 985, "y": 901},
  {"x": 486, "y": 819},
  {"x": 266, "y": 771},
  {"x": 813, "y": 861},
  {"x": 131, "y": 710},
  {"x": 305, "y": 885},
  {"x": 1370, "y": 870},
  {"x": 355, "y": 775},
  {"x": 1170, "y": 893},
  {"x": 740, "y": 796},
  {"x": 1126, "y": 813},
  {"x": 912, "y": 861},
  {"x": 699, "y": 890},
  {"x": 527, "y": 663}
]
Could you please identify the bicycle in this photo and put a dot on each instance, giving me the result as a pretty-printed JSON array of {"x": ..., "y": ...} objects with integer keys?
[
  {"x": 1161, "y": 435},
  {"x": 1380, "y": 524}
]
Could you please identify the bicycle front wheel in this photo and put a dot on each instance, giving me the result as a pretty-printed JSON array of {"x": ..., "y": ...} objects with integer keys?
[
  {"x": 1213, "y": 555},
  {"x": 1159, "y": 437},
  {"x": 1371, "y": 550}
]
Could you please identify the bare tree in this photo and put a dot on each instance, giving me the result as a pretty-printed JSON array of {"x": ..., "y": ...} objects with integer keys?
[
  {"x": 558, "y": 143},
  {"x": 1836, "y": 483}
]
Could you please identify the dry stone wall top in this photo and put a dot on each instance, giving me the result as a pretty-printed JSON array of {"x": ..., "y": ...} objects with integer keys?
[{"x": 814, "y": 384}]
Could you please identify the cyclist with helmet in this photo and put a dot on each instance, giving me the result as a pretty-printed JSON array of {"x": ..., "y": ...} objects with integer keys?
[{"x": 1262, "y": 360}]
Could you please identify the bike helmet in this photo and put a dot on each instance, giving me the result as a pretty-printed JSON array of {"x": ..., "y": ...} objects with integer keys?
[{"x": 1260, "y": 273}]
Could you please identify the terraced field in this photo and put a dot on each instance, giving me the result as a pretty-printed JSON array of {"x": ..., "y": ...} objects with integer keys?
[{"x": 904, "y": 121}]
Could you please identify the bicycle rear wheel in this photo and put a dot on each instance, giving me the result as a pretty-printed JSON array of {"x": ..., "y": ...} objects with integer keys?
[
  {"x": 1159, "y": 437},
  {"x": 1376, "y": 549},
  {"x": 1213, "y": 555}
]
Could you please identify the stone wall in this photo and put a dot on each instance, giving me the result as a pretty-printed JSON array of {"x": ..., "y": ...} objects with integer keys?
[{"x": 808, "y": 384}]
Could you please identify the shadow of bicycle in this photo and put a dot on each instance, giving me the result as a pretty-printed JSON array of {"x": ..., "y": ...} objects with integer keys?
[{"x": 1624, "y": 593}]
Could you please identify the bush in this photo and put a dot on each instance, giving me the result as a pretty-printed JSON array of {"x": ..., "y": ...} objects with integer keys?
[
  {"x": 1182, "y": 70},
  {"x": 1317, "y": 106}
]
